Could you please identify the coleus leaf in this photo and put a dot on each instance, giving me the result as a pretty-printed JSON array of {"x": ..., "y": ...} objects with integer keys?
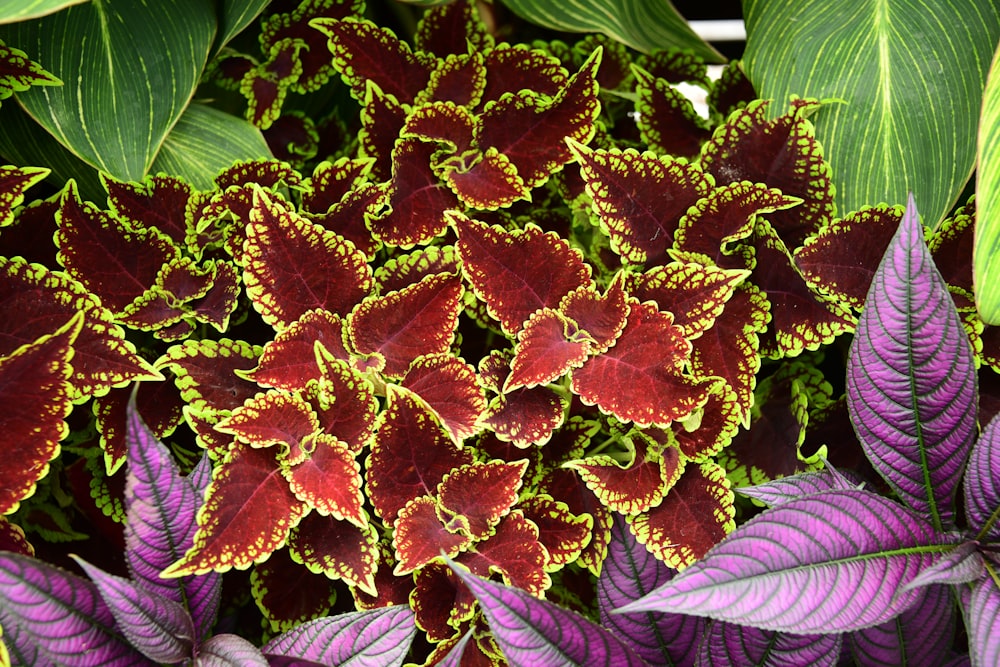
[
  {"x": 714, "y": 427},
  {"x": 631, "y": 572},
  {"x": 206, "y": 372},
  {"x": 292, "y": 265},
  {"x": 157, "y": 626},
  {"x": 522, "y": 416},
  {"x": 349, "y": 217},
  {"x": 248, "y": 513},
  {"x": 405, "y": 324},
  {"x": 345, "y": 402},
  {"x": 668, "y": 122},
  {"x": 464, "y": 507},
  {"x": 485, "y": 180},
  {"x": 420, "y": 536},
  {"x": 337, "y": 549},
  {"x": 287, "y": 593},
  {"x": 15, "y": 180},
  {"x": 513, "y": 67},
  {"x": 327, "y": 477},
  {"x": 18, "y": 72},
  {"x": 565, "y": 486},
  {"x": 447, "y": 29},
  {"x": 271, "y": 418},
  {"x": 382, "y": 118},
  {"x": 639, "y": 198},
  {"x": 458, "y": 78},
  {"x": 34, "y": 384},
  {"x": 563, "y": 534},
  {"x": 35, "y": 300},
  {"x": 918, "y": 636},
  {"x": 549, "y": 345},
  {"x": 516, "y": 273},
  {"x": 728, "y": 644},
  {"x": 380, "y": 637},
  {"x": 160, "y": 523},
  {"x": 159, "y": 201},
  {"x": 47, "y": 614},
  {"x": 533, "y": 631},
  {"x": 12, "y": 539},
  {"x": 846, "y": 578},
  {"x": 911, "y": 379},
  {"x": 451, "y": 388},
  {"x": 982, "y": 484},
  {"x": 289, "y": 361}
]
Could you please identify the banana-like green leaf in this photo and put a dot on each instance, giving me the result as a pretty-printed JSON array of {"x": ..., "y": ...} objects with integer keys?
[
  {"x": 986, "y": 250},
  {"x": 910, "y": 74},
  {"x": 235, "y": 16},
  {"x": 645, "y": 25},
  {"x": 204, "y": 142},
  {"x": 12, "y": 11},
  {"x": 133, "y": 67}
]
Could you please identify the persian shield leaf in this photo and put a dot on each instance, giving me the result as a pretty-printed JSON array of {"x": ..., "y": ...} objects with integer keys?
[
  {"x": 793, "y": 567},
  {"x": 919, "y": 636},
  {"x": 900, "y": 68},
  {"x": 983, "y": 608},
  {"x": 911, "y": 379},
  {"x": 112, "y": 118},
  {"x": 728, "y": 644},
  {"x": 530, "y": 631},
  {"x": 982, "y": 484}
]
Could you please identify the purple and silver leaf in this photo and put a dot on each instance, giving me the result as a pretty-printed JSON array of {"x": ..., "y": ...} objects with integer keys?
[
  {"x": 377, "y": 638},
  {"x": 200, "y": 475},
  {"x": 48, "y": 615},
  {"x": 158, "y": 627},
  {"x": 919, "y": 637},
  {"x": 963, "y": 565},
  {"x": 982, "y": 618},
  {"x": 982, "y": 484},
  {"x": 530, "y": 631},
  {"x": 825, "y": 563},
  {"x": 160, "y": 522},
  {"x": 454, "y": 657},
  {"x": 784, "y": 489},
  {"x": 629, "y": 572},
  {"x": 911, "y": 377},
  {"x": 730, "y": 645},
  {"x": 228, "y": 650}
]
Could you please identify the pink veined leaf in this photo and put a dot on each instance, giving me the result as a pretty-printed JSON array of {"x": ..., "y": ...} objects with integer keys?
[{"x": 726, "y": 644}]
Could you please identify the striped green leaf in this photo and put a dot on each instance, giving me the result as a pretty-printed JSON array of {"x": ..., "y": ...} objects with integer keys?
[
  {"x": 644, "y": 25},
  {"x": 986, "y": 250},
  {"x": 22, "y": 10},
  {"x": 133, "y": 64},
  {"x": 911, "y": 76}
]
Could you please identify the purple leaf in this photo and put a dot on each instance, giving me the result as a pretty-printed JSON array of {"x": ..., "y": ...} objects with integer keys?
[
  {"x": 379, "y": 638},
  {"x": 160, "y": 523},
  {"x": 784, "y": 489},
  {"x": 911, "y": 379},
  {"x": 983, "y": 620},
  {"x": 200, "y": 475},
  {"x": 630, "y": 571},
  {"x": 825, "y": 563},
  {"x": 48, "y": 615},
  {"x": 227, "y": 650},
  {"x": 157, "y": 626},
  {"x": 285, "y": 661},
  {"x": 920, "y": 636},
  {"x": 530, "y": 631},
  {"x": 731, "y": 645},
  {"x": 963, "y": 565},
  {"x": 982, "y": 484},
  {"x": 454, "y": 657}
]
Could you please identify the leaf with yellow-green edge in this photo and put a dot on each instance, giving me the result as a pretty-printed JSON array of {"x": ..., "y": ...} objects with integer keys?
[
  {"x": 511, "y": 67},
  {"x": 474, "y": 497},
  {"x": 248, "y": 513},
  {"x": 271, "y": 418},
  {"x": 563, "y": 534},
  {"x": 693, "y": 517},
  {"x": 911, "y": 76},
  {"x": 402, "y": 270},
  {"x": 709, "y": 430},
  {"x": 450, "y": 27},
  {"x": 325, "y": 475},
  {"x": 337, "y": 549},
  {"x": 289, "y": 594},
  {"x": 667, "y": 120},
  {"x": 344, "y": 399},
  {"x": 549, "y": 346},
  {"x": 205, "y": 372},
  {"x": 292, "y": 265},
  {"x": 13, "y": 183},
  {"x": 266, "y": 85},
  {"x": 112, "y": 118},
  {"x": 566, "y": 486},
  {"x": 34, "y": 388},
  {"x": 459, "y": 78},
  {"x": 485, "y": 180},
  {"x": 420, "y": 537},
  {"x": 450, "y": 387},
  {"x": 35, "y": 301},
  {"x": 986, "y": 250},
  {"x": 289, "y": 361},
  {"x": 634, "y": 485},
  {"x": 644, "y": 25},
  {"x": 640, "y": 198}
]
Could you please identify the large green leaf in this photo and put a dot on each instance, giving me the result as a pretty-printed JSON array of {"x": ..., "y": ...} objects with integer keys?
[
  {"x": 645, "y": 25},
  {"x": 911, "y": 75},
  {"x": 22, "y": 10},
  {"x": 235, "y": 16},
  {"x": 204, "y": 142},
  {"x": 986, "y": 251},
  {"x": 132, "y": 66}
]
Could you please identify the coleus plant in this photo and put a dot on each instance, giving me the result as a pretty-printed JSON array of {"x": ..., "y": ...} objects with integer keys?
[{"x": 514, "y": 318}]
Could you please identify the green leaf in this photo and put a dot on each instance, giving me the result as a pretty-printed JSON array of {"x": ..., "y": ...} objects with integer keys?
[
  {"x": 22, "y": 10},
  {"x": 910, "y": 75},
  {"x": 134, "y": 67},
  {"x": 234, "y": 16},
  {"x": 986, "y": 249},
  {"x": 204, "y": 142},
  {"x": 644, "y": 25}
]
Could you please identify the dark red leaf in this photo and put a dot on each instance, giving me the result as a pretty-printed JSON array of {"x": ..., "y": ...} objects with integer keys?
[
  {"x": 420, "y": 537},
  {"x": 514, "y": 551},
  {"x": 14, "y": 181},
  {"x": 267, "y": 173},
  {"x": 328, "y": 478},
  {"x": 159, "y": 404},
  {"x": 667, "y": 119},
  {"x": 562, "y": 533},
  {"x": 565, "y": 486},
  {"x": 345, "y": 402},
  {"x": 18, "y": 73},
  {"x": 403, "y": 270},
  {"x": 205, "y": 372},
  {"x": 337, "y": 549},
  {"x": 951, "y": 246},
  {"x": 458, "y": 78},
  {"x": 549, "y": 346},
  {"x": 714, "y": 428},
  {"x": 12, "y": 539},
  {"x": 272, "y": 418},
  {"x": 603, "y": 317},
  {"x": 289, "y": 594},
  {"x": 332, "y": 181},
  {"x": 289, "y": 361},
  {"x": 160, "y": 202},
  {"x": 473, "y": 498},
  {"x": 450, "y": 387},
  {"x": 450, "y": 28},
  {"x": 731, "y": 91},
  {"x": 382, "y": 119},
  {"x": 486, "y": 180},
  {"x": 510, "y": 68}
]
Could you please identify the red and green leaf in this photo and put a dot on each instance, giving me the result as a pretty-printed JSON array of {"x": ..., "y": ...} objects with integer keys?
[
  {"x": 160, "y": 202},
  {"x": 717, "y": 423},
  {"x": 332, "y": 181},
  {"x": 517, "y": 272},
  {"x": 640, "y": 378},
  {"x": 510, "y": 68},
  {"x": 337, "y": 549},
  {"x": 841, "y": 259},
  {"x": 266, "y": 85},
  {"x": 382, "y": 120},
  {"x": 288, "y": 594},
  {"x": 667, "y": 120},
  {"x": 420, "y": 537},
  {"x": 35, "y": 301},
  {"x": 563, "y": 534},
  {"x": 640, "y": 198},
  {"x": 951, "y": 246},
  {"x": 35, "y": 390},
  {"x": 458, "y": 78},
  {"x": 514, "y": 552},
  {"x": 207, "y": 372},
  {"x": 248, "y": 513},
  {"x": 327, "y": 478},
  {"x": 603, "y": 317},
  {"x": 18, "y": 72},
  {"x": 349, "y": 217},
  {"x": 292, "y": 266},
  {"x": 345, "y": 402},
  {"x": 289, "y": 361},
  {"x": 410, "y": 455},
  {"x": 473, "y": 498},
  {"x": 271, "y": 418},
  {"x": 405, "y": 324},
  {"x": 486, "y": 180},
  {"x": 403, "y": 270},
  {"x": 450, "y": 28},
  {"x": 694, "y": 516},
  {"x": 565, "y": 486},
  {"x": 549, "y": 346},
  {"x": 159, "y": 404},
  {"x": 14, "y": 181},
  {"x": 449, "y": 387},
  {"x": 782, "y": 153}
]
